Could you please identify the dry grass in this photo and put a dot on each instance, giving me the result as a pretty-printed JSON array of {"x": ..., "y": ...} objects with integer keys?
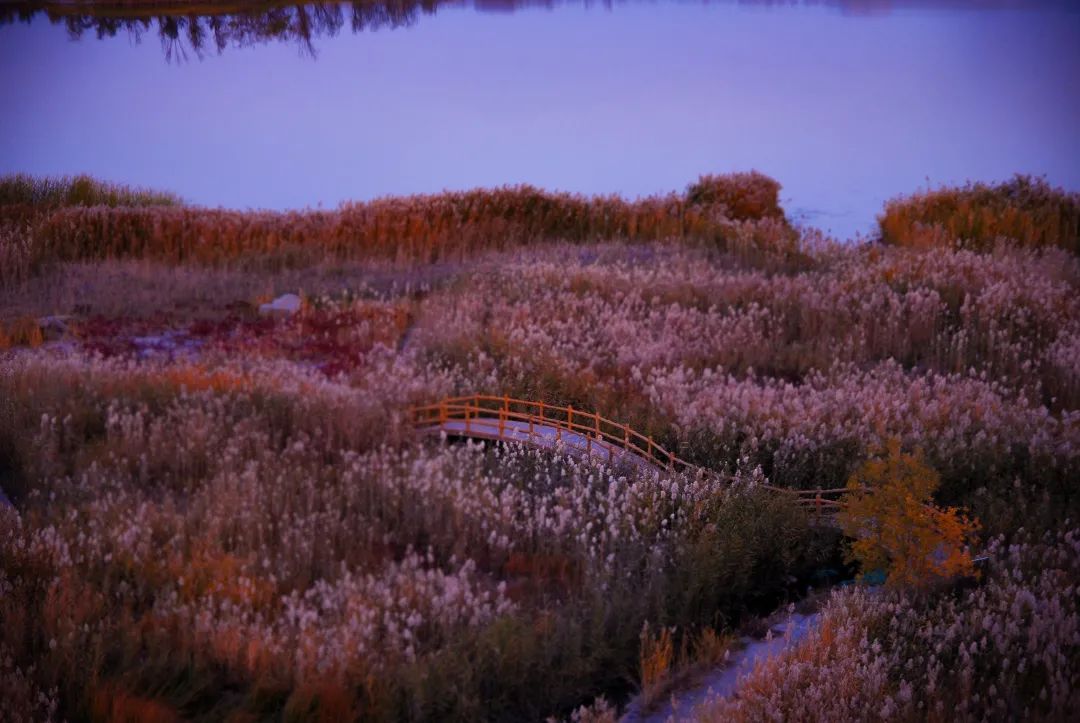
[
  {"x": 1027, "y": 210},
  {"x": 665, "y": 670},
  {"x": 141, "y": 289},
  {"x": 18, "y": 258},
  {"x": 657, "y": 658},
  {"x": 26, "y": 200},
  {"x": 22, "y": 331},
  {"x": 450, "y": 225}
]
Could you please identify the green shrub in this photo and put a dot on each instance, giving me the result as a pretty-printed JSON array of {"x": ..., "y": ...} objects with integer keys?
[{"x": 58, "y": 191}]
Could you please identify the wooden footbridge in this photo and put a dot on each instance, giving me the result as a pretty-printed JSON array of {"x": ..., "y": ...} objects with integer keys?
[{"x": 580, "y": 433}]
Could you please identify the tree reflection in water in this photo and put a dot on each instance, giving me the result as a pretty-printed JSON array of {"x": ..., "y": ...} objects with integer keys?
[{"x": 192, "y": 29}]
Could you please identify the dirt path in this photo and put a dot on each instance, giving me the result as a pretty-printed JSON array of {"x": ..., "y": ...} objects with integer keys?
[{"x": 722, "y": 681}]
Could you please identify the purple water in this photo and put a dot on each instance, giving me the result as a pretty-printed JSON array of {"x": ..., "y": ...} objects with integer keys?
[{"x": 845, "y": 103}]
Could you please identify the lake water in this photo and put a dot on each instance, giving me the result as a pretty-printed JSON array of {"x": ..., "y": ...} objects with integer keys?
[{"x": 845, "y": 103}]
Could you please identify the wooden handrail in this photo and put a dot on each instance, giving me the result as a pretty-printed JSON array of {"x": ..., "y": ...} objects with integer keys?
[{"x": 471, "y": 409}]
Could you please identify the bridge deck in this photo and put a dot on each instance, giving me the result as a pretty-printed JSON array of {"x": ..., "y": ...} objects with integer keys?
[
  {"x": 584, "y": 434},
  {"x": 540, "y": 435}
]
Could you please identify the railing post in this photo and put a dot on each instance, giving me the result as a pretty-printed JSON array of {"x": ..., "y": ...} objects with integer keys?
[
  {"x": 570, "y": 418},
  {"x": 468, "y": 414},
  {"x": 502, "y": 422},
  {"x": 596, "y": 418},
  {"x": 442, "y": 413},
  {"x": 541, "y": 411}
]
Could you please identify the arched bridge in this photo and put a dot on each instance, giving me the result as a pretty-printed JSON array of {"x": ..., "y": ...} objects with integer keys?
[{"x": 582, "y": 433}]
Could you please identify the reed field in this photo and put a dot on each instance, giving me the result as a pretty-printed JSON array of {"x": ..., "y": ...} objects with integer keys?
[{"x": 220, "y": 514}]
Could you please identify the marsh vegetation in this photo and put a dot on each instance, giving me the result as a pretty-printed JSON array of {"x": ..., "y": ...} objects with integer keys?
[{"x": 240, "y": 522}]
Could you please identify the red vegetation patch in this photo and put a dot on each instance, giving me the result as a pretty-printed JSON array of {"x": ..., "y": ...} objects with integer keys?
[
  {"x": 111, "y": 703},
  {"x": 331, "y": 340},
  {"x": 531, "y": 573}
]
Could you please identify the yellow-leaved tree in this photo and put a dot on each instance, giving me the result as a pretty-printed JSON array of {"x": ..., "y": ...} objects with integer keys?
[{"x": 894, "y": 525}]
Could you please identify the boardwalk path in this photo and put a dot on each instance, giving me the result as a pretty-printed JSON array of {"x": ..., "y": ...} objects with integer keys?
[
  {"x": 592, "y": 436},
  {"x": 722, "y": 681},
  {"x": 581, "y": 433},
  {"x": 541, "y": 435}
]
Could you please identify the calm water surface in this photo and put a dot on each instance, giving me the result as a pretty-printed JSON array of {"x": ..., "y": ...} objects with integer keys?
[{"x": 845, "y": 103}]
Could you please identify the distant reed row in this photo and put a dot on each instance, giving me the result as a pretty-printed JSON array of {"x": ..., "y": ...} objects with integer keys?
[
  {"x": 43, "y": 220},
  {"x": 78, "y": 219}
]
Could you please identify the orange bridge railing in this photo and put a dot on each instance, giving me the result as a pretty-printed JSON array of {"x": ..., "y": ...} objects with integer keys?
[{"x": 505, "y": 417}]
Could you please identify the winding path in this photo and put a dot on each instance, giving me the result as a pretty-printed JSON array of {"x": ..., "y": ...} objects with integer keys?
[
  {"x": 590, "y": 435},
  {"x": 723, "y": 680}
]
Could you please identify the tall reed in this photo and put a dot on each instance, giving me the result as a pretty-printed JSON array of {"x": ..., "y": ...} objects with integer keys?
[
  {"x": 256, "y": 540},
  {"x": 423, "y": 227},
  {"x": 1026, "y": 210}
]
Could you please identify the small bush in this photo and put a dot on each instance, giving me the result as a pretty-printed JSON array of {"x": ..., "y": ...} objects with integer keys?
[
  {"x": 745, "y": 196},
  {"x": 890, "y": 517}
]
